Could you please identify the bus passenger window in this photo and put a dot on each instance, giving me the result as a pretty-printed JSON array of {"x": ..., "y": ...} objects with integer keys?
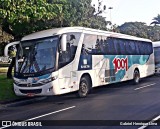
[
  {"x": 97, "y": 46},
  {"x": 111, "y": 47},
  {"x": 137, "y": 51},
  {"x": 102, "y": 46},
  {"x": 128, "y": 48},
  {"x": 84, "y": 51}
]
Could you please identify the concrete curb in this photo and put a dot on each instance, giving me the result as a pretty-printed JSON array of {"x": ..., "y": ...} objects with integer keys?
[{"x": 21, "y": 102}]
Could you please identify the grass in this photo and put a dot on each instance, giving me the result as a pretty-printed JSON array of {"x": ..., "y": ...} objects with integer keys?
[{"x": 6, "y": 88}]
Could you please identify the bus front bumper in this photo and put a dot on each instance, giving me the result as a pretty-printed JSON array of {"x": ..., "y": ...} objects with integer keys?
[{"x": 48, "y": 89}]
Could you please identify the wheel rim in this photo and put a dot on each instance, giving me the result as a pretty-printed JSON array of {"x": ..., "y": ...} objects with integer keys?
[
  {"x": 83, "y": 88},
  {"x": 136, "y": 77}
]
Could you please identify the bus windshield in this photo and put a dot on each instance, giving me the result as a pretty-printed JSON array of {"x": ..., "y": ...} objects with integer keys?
[{"x": 37, "y": 55}]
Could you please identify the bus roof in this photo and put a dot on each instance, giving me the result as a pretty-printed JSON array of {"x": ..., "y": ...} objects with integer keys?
[
  {"x": 56, "y": 31},
  {"x": 156, "y": 44}
]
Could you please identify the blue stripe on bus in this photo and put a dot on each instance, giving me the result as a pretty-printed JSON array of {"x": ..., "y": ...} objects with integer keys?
[
  {"x": 46, "y": 76},
  {"x": 132, "y": 59},
  {"x": 85, "y": 62}
]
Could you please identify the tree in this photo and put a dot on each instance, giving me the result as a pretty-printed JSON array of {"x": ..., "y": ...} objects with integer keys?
[
  {"x": 134, "y": 28},
  {"x": 81, "y": 13},
  {"x": 141, "y": 30},
  {"x": 156, "y": 20},
  {"x": 21, "y": 17}
]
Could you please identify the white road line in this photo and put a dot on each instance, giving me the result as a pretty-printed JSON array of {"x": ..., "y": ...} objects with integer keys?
[
  {"x": 145, "y": 86},
  {"x": 43, "y": 115},
  {"x": 155, "y": 119},
  {"x": 50, "y": 113}
]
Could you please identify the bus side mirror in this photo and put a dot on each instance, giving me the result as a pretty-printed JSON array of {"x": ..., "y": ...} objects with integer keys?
[
  {"x": 64, "y": 42},
  {"x": 6, "y": 49}
]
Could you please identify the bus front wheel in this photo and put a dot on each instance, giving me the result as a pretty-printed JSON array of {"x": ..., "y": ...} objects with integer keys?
[
  {"x": 136, "y": 77},
  {"x": 84, "y": 87}
]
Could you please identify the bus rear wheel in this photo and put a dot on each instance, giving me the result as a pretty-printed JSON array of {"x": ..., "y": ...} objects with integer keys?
[
  {"x": 136, "y": 77},
  {"x": 84, "y": 87}
]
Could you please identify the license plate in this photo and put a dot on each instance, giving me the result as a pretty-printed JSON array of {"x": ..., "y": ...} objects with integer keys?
[{"x": 30, "y": 94}]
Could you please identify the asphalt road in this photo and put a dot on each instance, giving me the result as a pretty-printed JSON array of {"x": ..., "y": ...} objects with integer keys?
[{"x": 122, "y": 105}]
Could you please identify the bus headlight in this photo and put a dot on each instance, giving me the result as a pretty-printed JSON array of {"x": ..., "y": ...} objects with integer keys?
[{"x": 49, "y": 80}]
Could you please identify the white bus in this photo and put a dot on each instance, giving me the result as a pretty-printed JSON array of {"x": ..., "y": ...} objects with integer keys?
[
  {"x": 156, "y": 46},
  {"x": 63, "y": 60}
]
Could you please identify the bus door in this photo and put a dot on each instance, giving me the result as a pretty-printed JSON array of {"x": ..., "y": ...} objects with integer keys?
[
  {"x": 65, "y": 68},
  {"x": 65, "y": 77}
]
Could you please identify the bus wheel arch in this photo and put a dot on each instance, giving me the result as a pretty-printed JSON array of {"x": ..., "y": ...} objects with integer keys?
[
  {"x": 136, "y": 76},
  {"x": 85, "y": 85}
]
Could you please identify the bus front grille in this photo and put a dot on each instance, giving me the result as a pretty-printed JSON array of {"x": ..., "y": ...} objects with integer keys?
[{"x": 37, "y": 91}]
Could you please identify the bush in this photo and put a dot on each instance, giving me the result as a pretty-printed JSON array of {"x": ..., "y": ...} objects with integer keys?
[{"x": 4, "y": 64}]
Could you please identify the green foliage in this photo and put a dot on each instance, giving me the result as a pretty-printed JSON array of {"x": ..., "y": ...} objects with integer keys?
[
  {"x": 81, "y": 13},
  {"x": 156, "y": 20},
  {"x": 140, "y": 29},
  {"x": 21, "y": 17},
  {"x": 4, "y": 37}
]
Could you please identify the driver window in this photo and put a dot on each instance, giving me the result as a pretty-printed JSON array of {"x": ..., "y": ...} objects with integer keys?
[{"x": 72, "y": 43}]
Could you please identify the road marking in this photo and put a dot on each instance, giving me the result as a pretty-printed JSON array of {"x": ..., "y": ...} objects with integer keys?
[
  {"x": 50, "y": 113},
  {"x": 145, "y": 86},
  {"x": 155, "y": 119},
  {"x": 42, "y": 115}
]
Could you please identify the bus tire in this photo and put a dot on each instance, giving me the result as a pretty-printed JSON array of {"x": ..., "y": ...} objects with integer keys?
[
  {"x": 136, "y": 77},
  {"x": 84, "y": 87}
]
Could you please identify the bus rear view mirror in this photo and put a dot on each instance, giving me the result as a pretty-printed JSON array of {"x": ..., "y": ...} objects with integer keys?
[
  {"x": 8, "y": 46},
  {"x": 64, "y": 42}
]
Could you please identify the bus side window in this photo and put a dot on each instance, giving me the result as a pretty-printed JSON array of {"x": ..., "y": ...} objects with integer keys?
[
  {"x": 122, "y": 48},
  {"x": 150, "y": 47},
  {"x": 128, "y": 47},
  {"x": 110, "y": 46},
  {"x": 113, "y": 51},
  {"x": 97, "y": 46},
  {"x": 106, "y": 48},
  {"x": 91, "y": 45},
  {"x": 84, "y": 51},
  {"x": 146, "y": 50},
  {"x": 136, "y": 48},
  {"x": 117, "y": 45},
  {"x": 133, "y": 47},
  {"x": 141, "y": 48},
  {"x": 102, "y": 50}
]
